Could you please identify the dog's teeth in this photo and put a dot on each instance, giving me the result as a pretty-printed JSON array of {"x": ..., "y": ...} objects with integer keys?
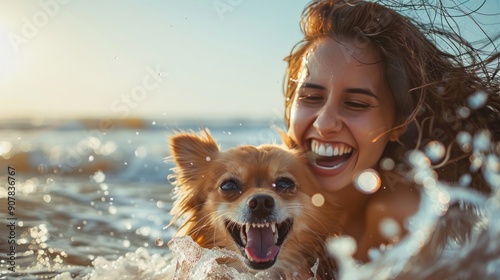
[
  {"x": 247, "y": 227},
  {"x": 273, "y": 227},
  {"x": 267, "y": 224},
  {"x": 254, "y": 225},
  {"x": 243, "y": 236},
  {"x": 275, "y": 237}
]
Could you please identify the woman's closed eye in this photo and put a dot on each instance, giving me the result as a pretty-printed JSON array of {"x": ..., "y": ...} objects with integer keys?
[
  {"x": 357, "y": 105},
  {"x": 311, "y": 98}
]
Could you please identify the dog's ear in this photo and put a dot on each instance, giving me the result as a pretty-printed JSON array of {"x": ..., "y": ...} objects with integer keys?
[
  {"x": 192, "y": 154},
  {"x": 191, "y": 151},
  {"x": 286, "y": 139}
]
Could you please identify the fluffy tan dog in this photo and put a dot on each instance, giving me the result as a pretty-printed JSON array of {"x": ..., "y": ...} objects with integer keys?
[{"x": 253, "y": 200}]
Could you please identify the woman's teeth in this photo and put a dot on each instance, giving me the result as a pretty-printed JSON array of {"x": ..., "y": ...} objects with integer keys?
[{"x": 328, "y": 150}]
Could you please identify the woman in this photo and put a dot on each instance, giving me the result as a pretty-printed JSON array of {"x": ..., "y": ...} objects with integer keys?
[{"x": 365, "y": 86}]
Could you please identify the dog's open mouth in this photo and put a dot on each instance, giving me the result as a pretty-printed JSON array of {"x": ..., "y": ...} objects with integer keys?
[{"x": 260, "y": 243}]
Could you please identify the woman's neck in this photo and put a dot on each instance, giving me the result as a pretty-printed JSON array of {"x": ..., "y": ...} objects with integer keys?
[{"x": 352, "y": 212}]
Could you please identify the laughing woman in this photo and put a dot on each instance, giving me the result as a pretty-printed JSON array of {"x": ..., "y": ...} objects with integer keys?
[{"x": 365, "y": 86}]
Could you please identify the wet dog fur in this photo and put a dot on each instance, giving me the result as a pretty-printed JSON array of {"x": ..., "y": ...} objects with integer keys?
[{"x": 251, "y": 200}]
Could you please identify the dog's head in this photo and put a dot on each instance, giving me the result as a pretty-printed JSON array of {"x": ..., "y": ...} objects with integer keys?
[{"x": 248, "y": 199}]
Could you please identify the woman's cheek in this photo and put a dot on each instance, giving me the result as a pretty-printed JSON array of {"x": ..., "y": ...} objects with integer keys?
[{"x": 299, "y": 118}]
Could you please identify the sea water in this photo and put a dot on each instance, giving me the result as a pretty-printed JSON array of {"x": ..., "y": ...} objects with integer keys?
[{"x": 92, "y": 203}]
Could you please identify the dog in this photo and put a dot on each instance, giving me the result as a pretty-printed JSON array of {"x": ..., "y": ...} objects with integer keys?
[{"x": 252, "y": 200}]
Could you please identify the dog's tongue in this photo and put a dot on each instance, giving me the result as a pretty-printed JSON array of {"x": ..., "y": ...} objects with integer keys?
[{"x": 260, "y": 244}]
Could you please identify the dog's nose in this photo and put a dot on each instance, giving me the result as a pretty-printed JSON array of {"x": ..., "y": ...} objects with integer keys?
[{"x": 261, "y": 205}]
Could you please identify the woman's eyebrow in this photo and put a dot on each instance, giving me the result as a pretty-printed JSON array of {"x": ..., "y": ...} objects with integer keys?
[
  {"x": 362, "y": 91},
  {"x": 348, "y": 90},
  {"x": 311, "y": 85}
]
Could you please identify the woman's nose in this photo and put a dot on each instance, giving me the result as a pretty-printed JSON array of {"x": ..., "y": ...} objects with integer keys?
[{"x": 327, "y": 122}]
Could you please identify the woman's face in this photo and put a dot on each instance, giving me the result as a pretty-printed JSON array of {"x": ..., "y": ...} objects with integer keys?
[{"x": 342, "y": 111}]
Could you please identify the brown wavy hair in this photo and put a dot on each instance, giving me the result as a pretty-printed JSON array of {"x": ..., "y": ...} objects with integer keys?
[{"x": 432, "y": 88}]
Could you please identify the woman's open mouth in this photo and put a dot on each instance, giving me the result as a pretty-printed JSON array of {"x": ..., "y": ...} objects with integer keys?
[{"x": 330, "y": 156}]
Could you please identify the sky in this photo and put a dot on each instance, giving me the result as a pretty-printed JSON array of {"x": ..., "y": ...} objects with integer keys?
[
  {"x": 154, "y": 58},
  {"x": 124, "y": 58}
]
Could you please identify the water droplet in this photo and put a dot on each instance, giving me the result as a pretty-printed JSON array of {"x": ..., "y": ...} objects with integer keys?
[
  {"x": 47, "y": 198},
  {"x": 464, "y": 141},
  {"x": 389, "y": 228},
  {"x": 444, "y": 197},
  {"x": 144, "y": 231},
  {"x": 482, "y": 141},
  {"x": 42, "y": 168},
  {"x": 99, "y": 177},
  {"x": 5, "y": 148},
  {"x": 492, "y": 163},
  {"x": 477, "y": 100},
  {"x": 159, "y": 242},
  {"x": 112, "y": 210},
  {"x": 318, "y": 200},
  {"x": 367, "y": 181},
  {"x": 463, "y": 112},
  {"x": 108, "y": 148},
  {"x": 153, "y": 123},
  {"x": 141, "y": 152},
  {"x": 435, "y": 150},
  {"x": 418, "y": 159},
  {"x": 104, "y": 187},
  {"x": 160, "y": 204},
  {"x": 208, "y": 159},
  {"x": 387, "y": 164},
  {"x": 342, "y": 245},
  {"x": 465, "y": 180},
  {"x": 91, "y": 158},
  {"x": 126, "y": 243}
]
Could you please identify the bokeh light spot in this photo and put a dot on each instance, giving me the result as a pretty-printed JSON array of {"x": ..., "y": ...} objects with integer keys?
[{"x": 367, "y": 181}]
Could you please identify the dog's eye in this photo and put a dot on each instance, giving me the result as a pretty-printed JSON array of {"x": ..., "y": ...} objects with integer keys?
[
  {"x": 229, "y": 185},
  {"x": 284, "y": 183}
]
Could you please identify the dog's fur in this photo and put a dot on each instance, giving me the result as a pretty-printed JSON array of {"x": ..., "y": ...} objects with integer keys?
[{"x": 219, "y": 194}]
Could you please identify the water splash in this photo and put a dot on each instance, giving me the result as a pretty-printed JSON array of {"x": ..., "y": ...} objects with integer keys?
[
  {"x": 194, "y": 262},
  {"x": 476, "y": 259}
]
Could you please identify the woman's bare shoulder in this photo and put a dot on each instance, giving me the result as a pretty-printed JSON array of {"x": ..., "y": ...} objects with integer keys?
[{"x": 397, "y": 199}]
